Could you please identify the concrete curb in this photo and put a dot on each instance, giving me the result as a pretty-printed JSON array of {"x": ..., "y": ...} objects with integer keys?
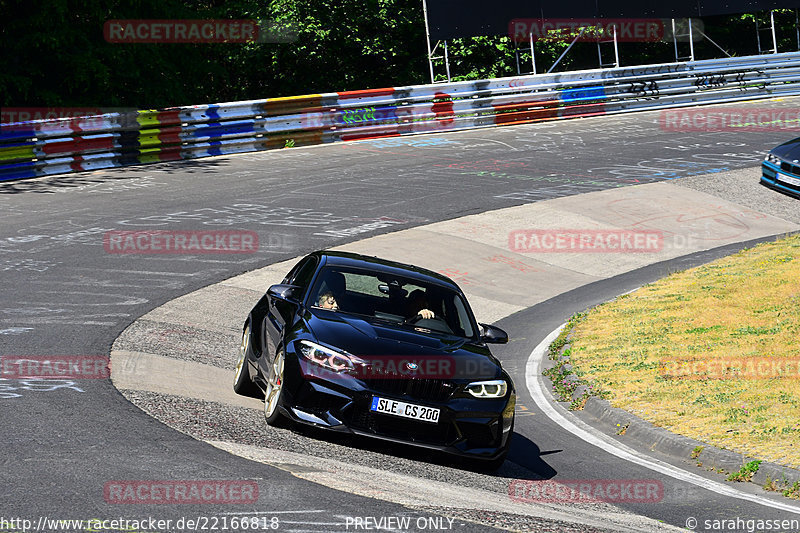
[{"x": 658, "y": 439}]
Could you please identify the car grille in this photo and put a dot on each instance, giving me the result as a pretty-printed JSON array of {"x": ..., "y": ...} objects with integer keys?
[
  {"x": 430, "y": 390},
  {"x": 790, "y": 168},
  {"x": 440, "y": 434}
]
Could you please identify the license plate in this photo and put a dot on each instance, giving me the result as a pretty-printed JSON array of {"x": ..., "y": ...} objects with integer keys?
[
  {"x": 787, "y": 179},
  {"x": 406, "y": 410}
]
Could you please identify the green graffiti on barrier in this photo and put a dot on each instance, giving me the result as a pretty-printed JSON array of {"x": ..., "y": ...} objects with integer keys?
[{"x": 358, "y": 115}]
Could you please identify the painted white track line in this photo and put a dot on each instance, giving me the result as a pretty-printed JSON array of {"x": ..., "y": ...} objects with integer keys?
[{"x": 536, "y": 387}]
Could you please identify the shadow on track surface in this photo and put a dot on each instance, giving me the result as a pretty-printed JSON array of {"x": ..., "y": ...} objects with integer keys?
[
  {"x": 54, "y": 184},
  {"x": 524, "y": 453}
]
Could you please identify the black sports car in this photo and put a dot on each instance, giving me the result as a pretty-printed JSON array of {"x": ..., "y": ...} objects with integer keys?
[
  {"x": 381, "y": 349},
  {"x": 781, "y": 168}
]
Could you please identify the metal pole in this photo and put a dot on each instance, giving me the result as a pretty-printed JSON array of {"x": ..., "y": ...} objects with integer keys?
[
  {"x": 599, "y": 54},
  {"x": 567, "y": 50},
  {"x": 758, "y": 35},
  {"x": 616, "y": 50},
  {"x": 533, "y": 53},
  {"x": 797, "y": 26},
  {"x": 427, "y": 36},
  {"x": 691, "y": 41},
  {"x": 714, "y": 43},
  {"x": 516, "y": 53},
  {"x": 446, "y": 62},
  {"x": 675, "y": 40},
  {"x": 774, "y": 39}
]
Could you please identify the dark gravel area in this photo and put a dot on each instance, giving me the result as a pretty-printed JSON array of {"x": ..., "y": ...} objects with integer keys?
[
  {"x": 171, "y": 340},
  {"x": 743, "y": 187},
  {"x": 215, "y": 421},
  {"x": 513, "y": 522}
]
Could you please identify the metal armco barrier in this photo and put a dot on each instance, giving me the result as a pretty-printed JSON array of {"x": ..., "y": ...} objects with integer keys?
[{"x": 47, "y": 147}]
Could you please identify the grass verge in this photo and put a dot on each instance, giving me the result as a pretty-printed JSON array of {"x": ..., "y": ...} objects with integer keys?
[{"x": 712, "y": 353}]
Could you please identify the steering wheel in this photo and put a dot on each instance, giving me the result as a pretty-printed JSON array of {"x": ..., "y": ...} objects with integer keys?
[{"x": 418, "y": 320}]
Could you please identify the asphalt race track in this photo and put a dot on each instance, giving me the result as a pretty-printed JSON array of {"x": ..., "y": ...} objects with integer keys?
[{"x": 63, "y": 294}]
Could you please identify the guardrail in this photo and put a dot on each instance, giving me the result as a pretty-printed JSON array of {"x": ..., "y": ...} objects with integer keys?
[{"x": 47, "y": 147}]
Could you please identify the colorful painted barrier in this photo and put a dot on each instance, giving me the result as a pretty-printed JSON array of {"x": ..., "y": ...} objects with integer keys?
[{"x": 79, "y": 144}]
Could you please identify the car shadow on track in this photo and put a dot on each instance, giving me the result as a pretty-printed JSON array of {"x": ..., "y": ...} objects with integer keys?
[
  {"x": 527, "y": 454},
  {"x": 524, "y": 459}
]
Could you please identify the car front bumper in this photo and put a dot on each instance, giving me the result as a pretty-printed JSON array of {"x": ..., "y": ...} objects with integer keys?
[
  {"x": 467, "y": 427},
  {"x": 770, "y": 174}
]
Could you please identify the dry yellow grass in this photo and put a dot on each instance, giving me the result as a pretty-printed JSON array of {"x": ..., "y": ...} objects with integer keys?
[{"x": 744, "y": 307}]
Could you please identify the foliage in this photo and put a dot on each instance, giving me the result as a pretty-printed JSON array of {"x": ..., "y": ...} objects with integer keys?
[
  {"x": 55, "y": 53},
  {"x": 746, "y": 472}
]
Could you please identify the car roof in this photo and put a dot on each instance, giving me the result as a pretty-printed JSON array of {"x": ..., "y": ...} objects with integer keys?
[{"x": 376, "y": 264}]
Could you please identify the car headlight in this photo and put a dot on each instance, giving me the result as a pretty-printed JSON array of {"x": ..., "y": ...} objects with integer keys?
[
  {"x": 772, "y": 158},
  {"x": 327, "y": 357},
  {"x": 495, "y": 388}
]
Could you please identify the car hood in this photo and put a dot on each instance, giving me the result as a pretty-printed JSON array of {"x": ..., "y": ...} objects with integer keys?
[
  {"x": 789, "y": 151},
  {"x": 371, "y": 341}
]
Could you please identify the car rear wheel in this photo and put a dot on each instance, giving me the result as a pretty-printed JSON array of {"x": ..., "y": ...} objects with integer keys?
[
  {"x": 241, "y": 379},
  {"x": 274, "y": 392}
]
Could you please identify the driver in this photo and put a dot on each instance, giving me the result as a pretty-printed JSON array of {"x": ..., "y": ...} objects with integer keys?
[
  {"x": 417, "y": 304},
  {"x": 328, "y": 301}
]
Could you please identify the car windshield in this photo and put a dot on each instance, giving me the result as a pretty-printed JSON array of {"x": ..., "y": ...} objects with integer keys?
[{"x": 403, "y": 302}]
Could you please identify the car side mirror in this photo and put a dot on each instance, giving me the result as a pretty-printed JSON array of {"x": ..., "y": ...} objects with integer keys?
[
  {"x": 493, "y": 334},
  {"x": 288, "y": 293}
]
